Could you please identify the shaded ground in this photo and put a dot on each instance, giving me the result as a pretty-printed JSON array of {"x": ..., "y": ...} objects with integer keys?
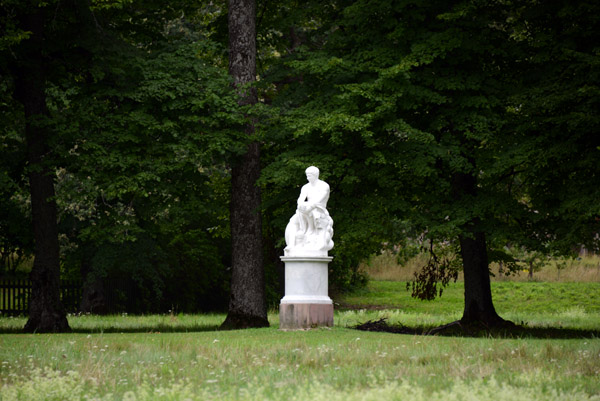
[
  {"x": 457, "y": 329},
  {"x": 150, "y": 329},
  {"x": 382, "y": 326}
]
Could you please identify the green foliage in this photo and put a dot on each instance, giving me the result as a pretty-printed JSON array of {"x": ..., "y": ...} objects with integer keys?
[
  {"x": 143, "y": 121},
  {"x": 399, "y": 100},
  {"x": 140, "y": 265},
  {"x": 150, "y": 133},
  {"x": 197, "y": 279},
  {"x": 556, "y": 120},
  {"x": 16, "y": 238},
  {"x": 366, "y": 111}
]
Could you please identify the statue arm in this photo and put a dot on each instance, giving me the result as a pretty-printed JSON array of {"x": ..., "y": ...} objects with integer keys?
[{"x": 302, "y": 197}]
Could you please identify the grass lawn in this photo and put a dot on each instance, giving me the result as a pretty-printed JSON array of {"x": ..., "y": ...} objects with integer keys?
[
  {"x": 182, "y": 357},
  {"x": 556, "y": 304}
]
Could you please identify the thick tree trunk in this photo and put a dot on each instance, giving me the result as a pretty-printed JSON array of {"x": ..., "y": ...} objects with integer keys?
[
  {"x": 478, "y": 293},
  {"x": 46, "y": 312},
  {"x": 479, "y": 307},
  {"x": 247, "y": 305}
]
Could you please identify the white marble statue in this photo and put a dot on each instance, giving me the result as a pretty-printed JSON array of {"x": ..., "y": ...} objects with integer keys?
[{"x": 310, "y": 230}]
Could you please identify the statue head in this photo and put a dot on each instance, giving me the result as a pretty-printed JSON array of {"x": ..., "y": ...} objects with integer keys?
[{"x": 312, "y": 170}]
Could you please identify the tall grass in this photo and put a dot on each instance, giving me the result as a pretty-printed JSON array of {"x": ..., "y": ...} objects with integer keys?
[
  {"x": 584, "y": 269},
  {"x": 386, "y": 267}
]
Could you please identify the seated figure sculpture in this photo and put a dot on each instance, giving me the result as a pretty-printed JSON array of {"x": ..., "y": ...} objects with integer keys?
[{"x": 310, "y": 230}]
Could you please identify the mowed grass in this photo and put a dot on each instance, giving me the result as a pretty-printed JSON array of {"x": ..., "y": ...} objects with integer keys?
[{"x": 183, "y": 357}]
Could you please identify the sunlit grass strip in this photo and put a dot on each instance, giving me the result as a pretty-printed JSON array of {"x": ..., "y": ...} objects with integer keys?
[{"x": 509, "y": 298}]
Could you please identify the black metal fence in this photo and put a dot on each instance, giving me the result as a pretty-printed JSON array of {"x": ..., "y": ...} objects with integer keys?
[{"x": 16, "y": 294}]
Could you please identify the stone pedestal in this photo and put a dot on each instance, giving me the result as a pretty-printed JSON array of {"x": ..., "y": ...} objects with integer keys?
[{"x": 306, "y": 302}]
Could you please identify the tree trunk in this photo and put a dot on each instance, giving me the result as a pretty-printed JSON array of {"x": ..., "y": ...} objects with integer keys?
[
  {"x": 478, "y": 293},
  {"x": 479, "y": 307},
  {"x": 531, "y": 270},
  {"x": 247, "y": 305},
  {"x": 46, "y": 312}
]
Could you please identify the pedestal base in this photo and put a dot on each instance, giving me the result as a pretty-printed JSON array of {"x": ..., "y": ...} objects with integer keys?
[
  {"x": 305, "y": 316},
  {"x": 306, "y": 303}
]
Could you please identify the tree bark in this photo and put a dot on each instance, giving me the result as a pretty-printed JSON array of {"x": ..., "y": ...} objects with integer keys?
[
  {"x": 479, "y": 307},
  {"x": 46, "y": 312},
  {"x": 478, "y": 293},
  {"x": 247, "y": 305}
]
